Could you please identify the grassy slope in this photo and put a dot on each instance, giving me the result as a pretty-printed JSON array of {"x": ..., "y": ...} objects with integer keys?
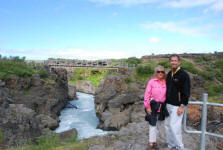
[
  {"x": 15, "y": 66},
  {"x": 92, "y": 75}
]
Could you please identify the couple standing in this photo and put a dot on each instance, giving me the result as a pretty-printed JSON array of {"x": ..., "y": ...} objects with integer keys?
[{"x": 173, "y": 91}]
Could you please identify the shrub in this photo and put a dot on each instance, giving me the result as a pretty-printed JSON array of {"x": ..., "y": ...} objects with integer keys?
[
  {"x": 219, "y": 76},
  {"x": 206, "y": 75},
  {"x": 15, "y": 66},
  {"x": 165, "y": 64},
  {"x": 219, "y": 64},
  {"x": 127, "y": 80},
  {"x": 144, "y": 70},
  {"x": 189, "y": 67},
  {"x": 133, "y": 60},
  {"x": 203, "y": 58},
  {"x": 215, "y": 89},
  {"x": 42, "y": 73}
]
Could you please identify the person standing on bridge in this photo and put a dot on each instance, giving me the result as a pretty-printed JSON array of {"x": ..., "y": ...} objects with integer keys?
[
  {"x": 155, "y": 95},
  {"x": 177, "y": 95}
]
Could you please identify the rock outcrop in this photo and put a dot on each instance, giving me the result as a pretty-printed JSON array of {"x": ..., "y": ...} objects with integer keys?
[
  {"x": 72, "y": 92},
  {"x": 29, "y": 107},
  {"x": 85, "y": 87},
  {"x": 114, "y": 103}
]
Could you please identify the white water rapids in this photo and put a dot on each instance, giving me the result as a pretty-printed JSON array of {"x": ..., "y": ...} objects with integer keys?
[{"x": 84, "y": 118}]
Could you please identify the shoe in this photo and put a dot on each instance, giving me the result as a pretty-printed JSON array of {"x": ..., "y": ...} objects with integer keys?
[
  {"x": 153, "y": 146},
  {"x": 150, "y": 145}
]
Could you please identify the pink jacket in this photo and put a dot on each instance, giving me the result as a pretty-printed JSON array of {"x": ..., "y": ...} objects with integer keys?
[{"x": 155, "y": 90}]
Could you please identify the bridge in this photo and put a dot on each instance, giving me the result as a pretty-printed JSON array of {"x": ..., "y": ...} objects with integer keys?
[{"x": 69, "y": 65}]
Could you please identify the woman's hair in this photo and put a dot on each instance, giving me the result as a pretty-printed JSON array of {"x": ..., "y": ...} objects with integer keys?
[{"x": 156, "y": 69}]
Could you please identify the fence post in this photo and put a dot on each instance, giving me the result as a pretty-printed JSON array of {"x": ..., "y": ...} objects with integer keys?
[{"x": 203, "y": 121}]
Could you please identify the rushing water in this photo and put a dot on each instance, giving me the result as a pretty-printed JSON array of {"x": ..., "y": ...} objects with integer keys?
[{"x": 84, "y": 118}]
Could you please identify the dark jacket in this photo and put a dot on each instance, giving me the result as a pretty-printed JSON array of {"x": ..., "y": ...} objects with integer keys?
[
  {"x": 152, "y": 118},
  {"x": 178, "y": 88}
]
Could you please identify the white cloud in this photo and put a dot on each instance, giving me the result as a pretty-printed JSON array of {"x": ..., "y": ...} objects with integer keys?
[
  {"x": 213, "y": 5},
  {"x": 154, "y": 40},
  {"x": 68, "y": 53},
  {"x": 188, "y": 3},
  {"x": 184, "y": 27},
  {"x": 124, "y": 2},
  {"x": 177, "y": 27}
]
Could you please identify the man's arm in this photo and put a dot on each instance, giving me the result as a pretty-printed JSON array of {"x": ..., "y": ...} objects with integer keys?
[{"x": 185, "y": 92}]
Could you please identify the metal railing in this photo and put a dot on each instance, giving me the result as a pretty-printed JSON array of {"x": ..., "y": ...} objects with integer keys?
[{"x": 203, "y": 131}]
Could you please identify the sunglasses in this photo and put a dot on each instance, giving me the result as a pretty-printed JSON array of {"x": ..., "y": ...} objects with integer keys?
[{"x": 160, "y": 72}]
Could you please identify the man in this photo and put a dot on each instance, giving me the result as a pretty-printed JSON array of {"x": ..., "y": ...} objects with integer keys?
[{"x": 177, "y": 95}]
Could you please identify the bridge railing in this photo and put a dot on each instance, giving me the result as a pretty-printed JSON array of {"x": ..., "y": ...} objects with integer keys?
[{"x": 203, "y": 131}]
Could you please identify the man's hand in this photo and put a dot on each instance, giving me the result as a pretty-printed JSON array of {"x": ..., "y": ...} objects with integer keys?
[
  {"x": 149, "y": 110},
  {"x": 180, "y": 110}
]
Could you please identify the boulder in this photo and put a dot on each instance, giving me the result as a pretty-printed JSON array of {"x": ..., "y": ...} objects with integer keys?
[
  {"x": 116, "y": 120},
  {"x": 2, "y": 83},
  {"x": 69, "y": 135},
  {"x": 35, "y": 80},
  {"x": 85, "y": 87},
  {"x": 47, "y": 122}
]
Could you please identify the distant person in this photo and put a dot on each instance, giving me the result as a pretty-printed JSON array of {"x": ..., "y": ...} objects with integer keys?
[
  {"x": 177, "y": 95},
  {"x": 155, "y": 96}
]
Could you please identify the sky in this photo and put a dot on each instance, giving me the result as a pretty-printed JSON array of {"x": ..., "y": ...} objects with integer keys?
[{"x": 104, "y": 29}]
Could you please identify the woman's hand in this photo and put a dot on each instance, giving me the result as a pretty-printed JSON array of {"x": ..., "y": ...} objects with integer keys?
[{"x": 149, "y": 110}]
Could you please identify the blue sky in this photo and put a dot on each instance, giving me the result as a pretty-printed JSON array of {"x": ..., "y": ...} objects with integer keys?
[{"x": 102, "y": 29}]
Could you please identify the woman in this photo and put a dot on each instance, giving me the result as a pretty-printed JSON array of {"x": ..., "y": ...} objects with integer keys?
[{"x": 155, "y": 94}]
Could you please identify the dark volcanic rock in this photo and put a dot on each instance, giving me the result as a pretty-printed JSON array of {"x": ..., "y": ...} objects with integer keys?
[
  {"x": 107, "y": 90},
  {"x": 114, "y": 103},
  {"x": 29, "y": 107},
  {"x": 72, "y": 92}
]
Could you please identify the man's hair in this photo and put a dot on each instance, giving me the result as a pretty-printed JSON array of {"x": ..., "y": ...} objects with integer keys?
[{"x": 174, "y": 55}]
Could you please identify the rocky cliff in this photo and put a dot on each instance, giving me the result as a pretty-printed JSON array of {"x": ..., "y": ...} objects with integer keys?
[{"x": 29, "y": 107}]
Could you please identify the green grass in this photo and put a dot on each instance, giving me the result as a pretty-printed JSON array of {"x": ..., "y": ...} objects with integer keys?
[
  {"x": 215, "y": 100},
  {"x": 219, "y": 64},
  {"x": 203, "y": 58},
  {"x": 1, "y": 136},
  {"x": 188, "y": 66},
  {"x": 52, "y": 143},
  {"x": 92, "y": 75},
  {"x": 14, "y": 66},
  {"x": 214, "y": 90},
  {"x": 26, "y": 92}
]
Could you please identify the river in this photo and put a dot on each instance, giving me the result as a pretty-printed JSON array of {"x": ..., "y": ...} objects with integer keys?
[{"x": 84, "y": 118}]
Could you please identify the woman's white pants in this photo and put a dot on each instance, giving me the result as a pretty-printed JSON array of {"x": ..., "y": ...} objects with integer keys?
[
  {"x": 154, "y": 131},
  {"x": 173, "y": 126}
]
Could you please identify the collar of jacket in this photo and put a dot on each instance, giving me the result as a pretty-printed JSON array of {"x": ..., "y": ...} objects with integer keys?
[{"x": 172, "y": 73}]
